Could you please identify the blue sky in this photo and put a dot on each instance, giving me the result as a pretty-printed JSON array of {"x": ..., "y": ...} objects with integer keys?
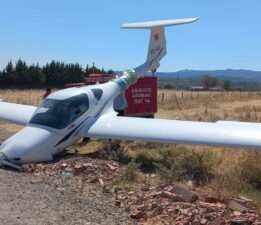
[{"x": 228, "y": 34}]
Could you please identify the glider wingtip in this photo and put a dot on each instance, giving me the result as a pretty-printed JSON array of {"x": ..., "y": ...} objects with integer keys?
[
  {"x": 158, "y": 23},
  {"x": 195, "y": 19}
]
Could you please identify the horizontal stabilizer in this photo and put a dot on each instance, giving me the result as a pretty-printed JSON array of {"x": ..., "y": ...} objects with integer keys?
[{"x": 158, "y": 23}]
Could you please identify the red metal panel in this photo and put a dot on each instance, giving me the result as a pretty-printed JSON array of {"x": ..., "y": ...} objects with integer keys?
[
  {"x": 98, "y": 78},
  {"x": 100, "y": 75},
  {"x": 73, "y": 85},
  {"x": 142, "y": 97}
]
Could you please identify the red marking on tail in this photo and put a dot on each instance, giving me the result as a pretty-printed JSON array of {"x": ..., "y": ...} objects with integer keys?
[{"x": 156, "y": 37}]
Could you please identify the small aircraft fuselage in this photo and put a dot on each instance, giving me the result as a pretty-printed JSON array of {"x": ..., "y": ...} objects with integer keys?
[{"x": 59, "y": 121}]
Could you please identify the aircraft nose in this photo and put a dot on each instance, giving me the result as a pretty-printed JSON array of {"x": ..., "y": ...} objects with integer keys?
[
  {"x": 12, "y": 152},
  {"x": 2, "y": 158},
  {"x": 5, "y": 162},
  {"x": 31, "y": 144}
]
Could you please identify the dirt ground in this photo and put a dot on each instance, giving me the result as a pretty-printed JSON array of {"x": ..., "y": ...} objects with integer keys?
[{"x": 26, "y": 199}]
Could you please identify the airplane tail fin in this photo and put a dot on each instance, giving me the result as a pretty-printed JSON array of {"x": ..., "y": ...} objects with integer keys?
[{"x": 157, "y": 46}]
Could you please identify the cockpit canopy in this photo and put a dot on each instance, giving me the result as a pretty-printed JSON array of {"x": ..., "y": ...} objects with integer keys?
[{"x": 59, "y": 114}]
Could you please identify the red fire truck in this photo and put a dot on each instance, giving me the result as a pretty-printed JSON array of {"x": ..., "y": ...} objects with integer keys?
[{"x": 141, "y": 97}]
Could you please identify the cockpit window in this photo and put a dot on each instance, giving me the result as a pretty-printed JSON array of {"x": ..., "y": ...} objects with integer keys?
[
  {"x": 59, "y": 114},
  {"x": 97, "y": 93}
]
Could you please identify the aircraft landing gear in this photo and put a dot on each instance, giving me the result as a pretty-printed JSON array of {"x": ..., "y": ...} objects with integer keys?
[{"x": 85, "y": 140}]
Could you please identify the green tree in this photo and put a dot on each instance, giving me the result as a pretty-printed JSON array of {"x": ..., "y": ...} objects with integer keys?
[
  {"x": 209, "y": 81},
  {"x": 2, "y": 80},
  {"x": 20, "y": 73},
  {"x": 110, "y": 71},
  {"x": 8, "y": 78},
  {"x": 53, "y": 74},
  {"x": 36, "y": 75},
  {"x": 226, "y": 85}
]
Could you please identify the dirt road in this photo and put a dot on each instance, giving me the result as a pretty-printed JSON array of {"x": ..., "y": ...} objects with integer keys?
[{"x": 26, "y": 199}]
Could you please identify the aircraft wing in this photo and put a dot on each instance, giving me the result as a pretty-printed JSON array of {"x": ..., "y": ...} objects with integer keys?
[
  {"x": 221, "y": 133},
  {"x": 16, "y": 113}
]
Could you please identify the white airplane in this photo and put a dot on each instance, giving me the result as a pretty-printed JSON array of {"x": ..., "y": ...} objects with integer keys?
[{"x": 68, "y": 115}]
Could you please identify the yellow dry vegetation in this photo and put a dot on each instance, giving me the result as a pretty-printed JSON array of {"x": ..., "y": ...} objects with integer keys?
[
  {"x": 209, "y": 106},
  {"x": 27, "y": 97}
]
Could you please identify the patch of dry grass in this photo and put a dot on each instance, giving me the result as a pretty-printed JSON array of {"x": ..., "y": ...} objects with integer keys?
[
  {"x": 27, "y": 97},
  {"x": 209, "y": 106}
]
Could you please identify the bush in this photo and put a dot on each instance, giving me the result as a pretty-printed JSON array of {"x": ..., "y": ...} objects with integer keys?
[
  {"x": 131, "y": 173},
  {"x": 197, "y": 165},
  {"x": 251, "y": 170},
  {"x": 147, "y": 159},
  {"x": 187, "y": 165},
  {"x": 114, "y": 151},
  {"x": 241, "y": 173}
]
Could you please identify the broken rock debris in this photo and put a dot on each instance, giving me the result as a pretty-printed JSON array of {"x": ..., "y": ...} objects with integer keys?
[{"x": 171, "y": 204}]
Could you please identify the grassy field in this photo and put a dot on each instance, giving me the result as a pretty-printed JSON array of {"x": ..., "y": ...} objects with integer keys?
[{"x": 224, "y": 171}]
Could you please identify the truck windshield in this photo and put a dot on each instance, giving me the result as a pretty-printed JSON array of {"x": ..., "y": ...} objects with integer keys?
[{"x": 59, "y": 114}]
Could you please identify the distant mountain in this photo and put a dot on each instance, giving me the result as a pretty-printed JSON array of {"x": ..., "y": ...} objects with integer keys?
[
  {"x": 245, "y": 79},
  {"x": 223, "y": 74}
]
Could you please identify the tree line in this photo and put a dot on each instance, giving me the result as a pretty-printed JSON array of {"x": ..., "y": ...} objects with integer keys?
[
  {"x": 205, "y": 82},
  {"x": 212, "y": 82},
  {"x": 53, "y": 74}
]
